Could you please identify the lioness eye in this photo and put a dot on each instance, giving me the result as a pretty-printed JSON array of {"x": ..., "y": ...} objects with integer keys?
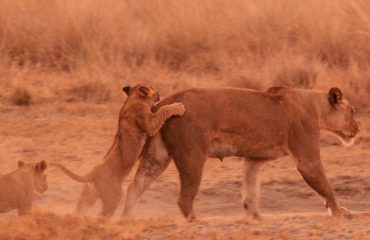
[{"x": 351, "y": 109}]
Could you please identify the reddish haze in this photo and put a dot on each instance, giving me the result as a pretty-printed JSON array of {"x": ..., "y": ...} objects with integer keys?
[{"x": 62, "y": 66}]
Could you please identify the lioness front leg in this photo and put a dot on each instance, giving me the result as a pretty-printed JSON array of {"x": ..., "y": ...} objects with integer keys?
[
  {"x": 251, "y": 187},
  {"x": 152, "y": 123},
  {"x": 309, "y": 165},
  {"x": 314, "y": 175}
]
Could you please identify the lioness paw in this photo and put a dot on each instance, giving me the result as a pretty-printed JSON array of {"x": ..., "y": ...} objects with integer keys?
[
  {"x": 342, "y": 212},
  {"x": 345, "y": 212}
]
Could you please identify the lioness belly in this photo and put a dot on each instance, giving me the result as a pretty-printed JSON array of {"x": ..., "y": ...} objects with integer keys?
[{"x": 221, "y": 148}]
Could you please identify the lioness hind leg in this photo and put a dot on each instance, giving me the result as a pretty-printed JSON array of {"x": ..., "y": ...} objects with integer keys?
[
  {"x": 87, "y": 198},
  {"x": 190, "y": 167},
  {"x": 150, "y": 168},
  {"x": 251, "y": 187}
]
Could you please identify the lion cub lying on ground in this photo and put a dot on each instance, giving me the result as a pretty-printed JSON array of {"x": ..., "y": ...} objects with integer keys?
[
  {"x": 17, "y": 187},
  {"x": 136, "y": 123}
]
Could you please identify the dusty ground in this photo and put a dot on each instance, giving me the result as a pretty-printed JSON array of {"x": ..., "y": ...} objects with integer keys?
[{"x": 79, "y": 134}]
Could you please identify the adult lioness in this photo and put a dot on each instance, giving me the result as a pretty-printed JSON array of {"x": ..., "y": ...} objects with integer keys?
[
  {"x": 17, "y": 187},
  {"x": 258, "y": 126},
  {"x": 136, "y": 122}
]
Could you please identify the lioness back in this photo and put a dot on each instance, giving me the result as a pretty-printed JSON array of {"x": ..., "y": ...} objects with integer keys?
[{"x": 214, "y": 114}]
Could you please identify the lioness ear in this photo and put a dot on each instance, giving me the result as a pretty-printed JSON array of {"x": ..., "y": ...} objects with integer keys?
[
  {"x": 144, "y": 91},
  {"x": 20, "y": 164},
  {"x": 126, "y": 89},
  {"x": 41, "y": 166},
  {"x": 335, "y": 96}
]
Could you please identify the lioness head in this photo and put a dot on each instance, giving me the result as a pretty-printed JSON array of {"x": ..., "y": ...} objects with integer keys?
[
  {"x": 38, "y": 174},
  {"x": 144, "y": 92},
  {"x": 340, "y": 119}
]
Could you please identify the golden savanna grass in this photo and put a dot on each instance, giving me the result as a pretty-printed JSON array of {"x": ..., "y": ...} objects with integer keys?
[{"x": 53, "y": 49}]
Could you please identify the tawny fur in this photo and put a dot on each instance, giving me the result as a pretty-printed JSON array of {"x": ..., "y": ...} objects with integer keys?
[
  {"x": 136, "y": 123},
  {"x": 17, "y": 188},
  {"x": 259, "y": 126}
]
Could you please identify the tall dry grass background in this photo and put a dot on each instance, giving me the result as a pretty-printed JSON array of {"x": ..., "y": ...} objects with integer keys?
[
  {"x": 69, "y": 50},
  {"x": 86, "y": 50}
]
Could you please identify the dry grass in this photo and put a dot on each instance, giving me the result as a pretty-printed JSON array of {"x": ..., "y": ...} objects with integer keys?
[
  {"x": 47, "y": 225},
  {"x": 223, "y": 42},
  {"x": 21, "y": 97}
]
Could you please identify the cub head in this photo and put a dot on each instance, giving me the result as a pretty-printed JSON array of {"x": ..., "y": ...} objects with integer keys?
[
  {"x": 144, "y": 92},
  {"x": 38, "y": 174},
  {"x": 340, "y": 119}
]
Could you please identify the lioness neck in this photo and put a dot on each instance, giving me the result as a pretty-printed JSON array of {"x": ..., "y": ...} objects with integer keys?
[{"x": 322, "y": 106}]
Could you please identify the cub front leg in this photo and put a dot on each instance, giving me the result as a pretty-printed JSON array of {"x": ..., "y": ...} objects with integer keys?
[{"x": 153, "y": 122}]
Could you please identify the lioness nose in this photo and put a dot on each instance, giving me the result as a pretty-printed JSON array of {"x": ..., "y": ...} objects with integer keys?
[{"x": 356, "y": 127}]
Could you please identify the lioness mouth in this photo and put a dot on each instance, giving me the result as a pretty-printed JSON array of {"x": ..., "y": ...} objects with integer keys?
[{"x": 347, "y": 140}]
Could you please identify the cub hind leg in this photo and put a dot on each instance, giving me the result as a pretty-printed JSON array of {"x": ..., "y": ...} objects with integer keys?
[
  {"x": 88, "y": 198},
  {"x": 110, "y": 194}
]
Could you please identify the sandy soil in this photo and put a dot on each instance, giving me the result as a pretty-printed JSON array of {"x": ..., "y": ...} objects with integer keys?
[{"x": 79, "y": 134}]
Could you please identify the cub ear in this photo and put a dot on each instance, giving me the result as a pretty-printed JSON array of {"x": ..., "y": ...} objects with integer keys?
[
  {"x": 126, "y": 90},
  {"x": 144, "y": 91},
  {"x": 41, "y": 166},
  {"x": 335, "y": 96},
  {"x": 20, "y": 164}
]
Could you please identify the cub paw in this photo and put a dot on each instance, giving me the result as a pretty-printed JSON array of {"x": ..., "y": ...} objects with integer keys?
[{"x": 178, "y": 108}]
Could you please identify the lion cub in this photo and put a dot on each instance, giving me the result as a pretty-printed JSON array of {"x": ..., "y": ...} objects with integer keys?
[
  {"x": 17, "y": 187},
  {"x": 136, "y": 122}
]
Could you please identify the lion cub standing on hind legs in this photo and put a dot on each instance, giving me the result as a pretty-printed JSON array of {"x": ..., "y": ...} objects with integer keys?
[{"x": 136, "y": 122}]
